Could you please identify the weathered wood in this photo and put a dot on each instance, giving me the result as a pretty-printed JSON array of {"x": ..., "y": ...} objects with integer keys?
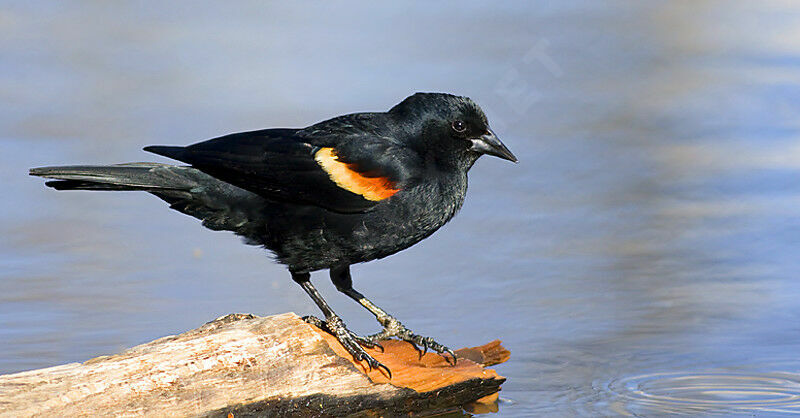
[{"x": 245, "y": 366}]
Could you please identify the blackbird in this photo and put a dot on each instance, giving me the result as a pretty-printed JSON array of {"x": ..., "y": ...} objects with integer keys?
[{"x": 346, "y": 190}]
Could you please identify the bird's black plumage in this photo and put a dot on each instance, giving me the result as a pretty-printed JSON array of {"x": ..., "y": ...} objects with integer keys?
[{"x": 346, "y": 190}]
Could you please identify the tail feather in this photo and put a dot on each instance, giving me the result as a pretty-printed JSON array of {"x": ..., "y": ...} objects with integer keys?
[
  {"x": 131, "y": 176},
  {"x": 221, "y": 206},
  {"x": 86, "y": 185}
]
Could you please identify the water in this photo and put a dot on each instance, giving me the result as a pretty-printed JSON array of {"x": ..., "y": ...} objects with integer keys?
[{"x": 641, "y": 259}]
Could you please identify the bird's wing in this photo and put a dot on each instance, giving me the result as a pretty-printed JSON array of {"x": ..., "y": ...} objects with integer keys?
[{"x": 345, "y": 174}]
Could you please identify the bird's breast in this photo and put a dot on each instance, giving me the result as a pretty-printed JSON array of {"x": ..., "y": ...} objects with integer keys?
[
  {"x": 410, "y": 216},
  {"x": 314, "y": 238}
]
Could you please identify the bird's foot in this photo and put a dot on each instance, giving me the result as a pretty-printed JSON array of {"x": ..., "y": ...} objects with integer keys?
[
  {"x": 393, "y": 328},
  {"x": 350, "y": 341}
]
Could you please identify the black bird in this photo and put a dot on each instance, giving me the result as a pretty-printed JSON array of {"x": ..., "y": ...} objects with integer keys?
[{"x": 346, "y": 190}]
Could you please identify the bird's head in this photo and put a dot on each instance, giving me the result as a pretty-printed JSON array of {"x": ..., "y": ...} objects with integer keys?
[{"x": 451, "y": 127}]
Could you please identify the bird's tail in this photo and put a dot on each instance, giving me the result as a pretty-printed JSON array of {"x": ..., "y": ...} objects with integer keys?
[
  {"x": 221, "y": 206},
  {"x": 131, "y": 176}
]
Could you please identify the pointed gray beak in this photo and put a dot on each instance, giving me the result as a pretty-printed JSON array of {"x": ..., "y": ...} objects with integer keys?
[{"x": 490, "y": 144}]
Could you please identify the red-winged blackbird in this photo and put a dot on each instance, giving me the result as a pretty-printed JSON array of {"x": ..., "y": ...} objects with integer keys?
[{"x": 347, "y": 190}]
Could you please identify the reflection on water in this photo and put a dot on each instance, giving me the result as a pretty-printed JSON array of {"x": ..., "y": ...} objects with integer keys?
[{"x": 641, "y": 258}]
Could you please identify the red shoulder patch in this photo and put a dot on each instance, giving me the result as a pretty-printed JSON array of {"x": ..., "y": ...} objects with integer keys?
[{"x": 343, "y": 174}]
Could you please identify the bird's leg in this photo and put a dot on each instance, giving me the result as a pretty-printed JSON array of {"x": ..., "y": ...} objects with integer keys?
[
  {"x": 340, "y": 276},
  {"x": 334, "y": 325}
]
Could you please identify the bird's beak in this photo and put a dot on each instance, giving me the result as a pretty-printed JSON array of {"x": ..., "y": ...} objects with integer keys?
[{"x": 490, "y": 144}]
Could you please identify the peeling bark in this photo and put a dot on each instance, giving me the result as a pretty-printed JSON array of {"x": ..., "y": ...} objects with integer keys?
[{"x": 250, "y": 366}]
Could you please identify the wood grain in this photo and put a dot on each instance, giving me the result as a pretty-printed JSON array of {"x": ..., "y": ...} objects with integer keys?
[{"x": 250, "y": 366}]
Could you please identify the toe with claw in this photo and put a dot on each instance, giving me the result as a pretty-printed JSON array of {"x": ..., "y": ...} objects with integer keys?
[
  {"x": 350, "y": 341},
  {"x": 393, "y": 328}
]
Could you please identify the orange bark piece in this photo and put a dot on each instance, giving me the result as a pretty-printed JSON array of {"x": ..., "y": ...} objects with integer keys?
[{"x": 429, "y": 373}]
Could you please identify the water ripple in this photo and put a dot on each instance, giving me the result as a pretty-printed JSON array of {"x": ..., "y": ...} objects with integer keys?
[{"x": 688, "y": 393}]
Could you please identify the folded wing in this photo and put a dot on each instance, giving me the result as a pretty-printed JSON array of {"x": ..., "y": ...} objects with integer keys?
[{"x": 343, "y": 175}]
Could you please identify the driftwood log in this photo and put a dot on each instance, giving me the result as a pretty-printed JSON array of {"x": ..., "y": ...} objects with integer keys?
[{"x": 242, "y": 365}]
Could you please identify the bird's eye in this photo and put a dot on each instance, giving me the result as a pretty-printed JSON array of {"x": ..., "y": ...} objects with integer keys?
[{"x": 459, "y": 126}]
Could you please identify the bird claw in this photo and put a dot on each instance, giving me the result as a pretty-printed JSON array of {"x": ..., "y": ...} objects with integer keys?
[
  {"x": 375, "y": 364},
  {"x": 365, "y": 342},
  {"x": 453, "y": 355},
  {"x": 350, "y": 341},
  {"x": 393, "y": 328},
  {"x": 377, "y": 344},
  {"x": 428, "y": 343},
  {"x": 424, "y": 349}
]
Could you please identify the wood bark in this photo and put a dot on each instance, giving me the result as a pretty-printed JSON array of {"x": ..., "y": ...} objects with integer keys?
[{"x": 242, "y": 365}]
